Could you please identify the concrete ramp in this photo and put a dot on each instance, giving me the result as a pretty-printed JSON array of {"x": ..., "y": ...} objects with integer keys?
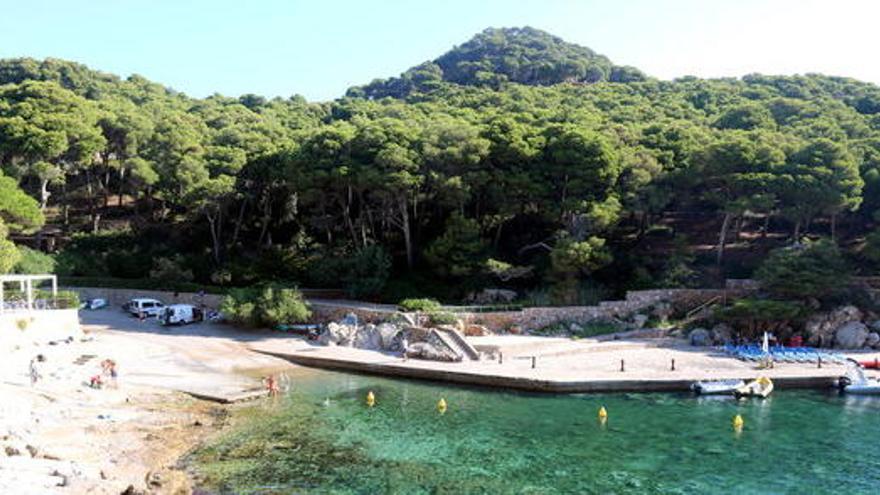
[{"x": 457, "y": 343}]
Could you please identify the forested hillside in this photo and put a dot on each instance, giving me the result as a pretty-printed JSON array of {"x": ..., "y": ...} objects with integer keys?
[{"x": 515, "y": 160}]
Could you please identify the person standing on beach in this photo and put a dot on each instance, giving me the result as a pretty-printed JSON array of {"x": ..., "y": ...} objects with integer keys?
[
  {"x": 108, "y": 367},
  {"x": 34, "y": 369},
  {"x": 271, "y": 385}
]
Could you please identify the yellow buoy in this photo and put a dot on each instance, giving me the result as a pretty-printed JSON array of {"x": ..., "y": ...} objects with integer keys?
[
  {"x": 371, "y": 399},
  {"x": 441, "y": 405},
  {"x": 738, "y": 422},
  {"x": 603, "y": 414}
]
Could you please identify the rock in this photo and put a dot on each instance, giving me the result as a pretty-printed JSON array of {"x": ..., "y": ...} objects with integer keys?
[
  {"x": 875, "y": 326},
  {"x": 821, "y": 328},
  {"x": 662, "y": 311},
  {"x": 640, "y": 320},
  {"x": 722, "y": 334},
  {"x": 515, "y": 330},
  {"x": 367, "y": 337},
  {"x": 492, "y": 296},
  {"x": 575, "y": 328},
  {"x": 852, "y": 335},
  {"x": 12, "y": 451},
  {"x": 426, "y": 350},
  {"x": 153, "y": 479},
  {"x": 873, "y": 339},
  {"x": 338, "y": 334},
  {"x": 387, "y": 333},
  {"x": 33, "y": 451},
  {"x": 131, "y": 490},
  {"x": 409, "y": 319},
  {"x": 350, "y": 319},
  {"x": 700, "y": 337},
  {"x": 476, "y": 331}
]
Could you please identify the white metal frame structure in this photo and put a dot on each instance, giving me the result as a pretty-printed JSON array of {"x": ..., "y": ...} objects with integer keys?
[{"x": 26, "y": 285}]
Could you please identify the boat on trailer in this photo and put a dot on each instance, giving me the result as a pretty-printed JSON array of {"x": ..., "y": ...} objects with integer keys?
[{"x": 716, "y": 387}]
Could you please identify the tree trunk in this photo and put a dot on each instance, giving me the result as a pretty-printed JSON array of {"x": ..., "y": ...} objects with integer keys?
[
  {"x": 106, "y": 188},
  {"x": 834, "y": 227},
  {"x": 722, "y": 237},
  {"x": 215, "y": 240},
  {"x": 44, "y": 193},
  {"x": 238, "y": 222},
  {"x": 93, "y": 210},
  {"x": 407, "y": 238},
  {"x": 121, "y": 185}
]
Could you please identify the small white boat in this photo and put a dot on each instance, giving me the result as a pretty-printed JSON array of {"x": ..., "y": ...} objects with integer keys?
[
  {"x": 855, "y": 381},
  {"x": 717, "y": 387},
  {"x": 759, "y": 387}
]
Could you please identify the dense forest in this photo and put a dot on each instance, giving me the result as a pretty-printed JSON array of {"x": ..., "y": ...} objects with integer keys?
[{"x": 515, "y": 160}]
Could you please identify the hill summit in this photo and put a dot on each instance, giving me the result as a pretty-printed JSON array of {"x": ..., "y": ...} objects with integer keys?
[{"x": 498, "y": 55}]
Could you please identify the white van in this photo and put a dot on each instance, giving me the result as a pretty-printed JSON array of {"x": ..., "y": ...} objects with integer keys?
[
  {"x": 180, "y": 314},
  {"x": 149, "y": 307}
]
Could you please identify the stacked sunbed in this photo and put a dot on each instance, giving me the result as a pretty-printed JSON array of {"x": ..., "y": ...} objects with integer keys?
[{"x": 753, "y": 352}]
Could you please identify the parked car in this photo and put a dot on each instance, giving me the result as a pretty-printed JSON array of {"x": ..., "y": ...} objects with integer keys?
[
  {"x": 149, "y": 307},
  {"x": 180, "y": 314},
  {"x": 94, "y": 304}
]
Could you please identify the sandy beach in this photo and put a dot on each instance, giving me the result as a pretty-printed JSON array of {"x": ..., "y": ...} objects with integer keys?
[{"x": 62, "y": 436}]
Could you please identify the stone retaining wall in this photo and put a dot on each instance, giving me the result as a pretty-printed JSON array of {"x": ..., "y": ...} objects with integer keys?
[
  {"x": 117, "y": 297},
  {"x": 635, "y": 302}
]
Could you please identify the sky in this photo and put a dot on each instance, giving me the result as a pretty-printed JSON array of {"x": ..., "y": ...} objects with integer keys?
[{"x": 319, "y": 48}]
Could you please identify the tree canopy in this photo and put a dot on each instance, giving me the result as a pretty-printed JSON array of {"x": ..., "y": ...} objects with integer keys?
[{"x": 515, "y": 149}]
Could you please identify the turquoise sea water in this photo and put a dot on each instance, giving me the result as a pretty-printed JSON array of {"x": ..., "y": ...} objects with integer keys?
[{"x": 321, "y": 438}]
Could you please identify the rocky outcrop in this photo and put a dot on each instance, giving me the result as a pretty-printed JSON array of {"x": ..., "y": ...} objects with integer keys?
[
  {"x": 700, "y": 337},
  {"x": 639, "y": 321},
  {"x": 821, "y": 328},
  {"x": 382, "y": 337},
  {"x": 429, "y": 351},
  {"x": 851, "y": 335},
  {"x": 873, "y": 340}
]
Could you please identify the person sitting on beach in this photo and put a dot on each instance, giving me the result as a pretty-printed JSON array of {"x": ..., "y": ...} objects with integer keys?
[{"x": 96, "y": 382}]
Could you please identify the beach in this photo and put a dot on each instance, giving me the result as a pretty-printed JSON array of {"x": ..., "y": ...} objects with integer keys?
[{"x": 62, "y": 436}]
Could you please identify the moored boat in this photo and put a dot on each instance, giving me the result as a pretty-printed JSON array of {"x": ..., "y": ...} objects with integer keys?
[
  {"x": 855, "y": 381},
  {"x": 759, "y": 387},
  {"x": 716, "y": 387}
]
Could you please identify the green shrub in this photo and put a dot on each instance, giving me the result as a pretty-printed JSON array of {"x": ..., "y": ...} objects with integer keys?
[
  {"x": 264, "y": 307},
  {"x": 754, "y": 316},
  {"x": 811, "y": 270},
  {"x": 442, "y": 318},
  {"x": 33, "y": 262},
  {"x": 276, "y": 306},
  {"x": 423, "y": 305},
  {"x": 171, "y": 269},
  {"x": 66, "y": 299}
]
